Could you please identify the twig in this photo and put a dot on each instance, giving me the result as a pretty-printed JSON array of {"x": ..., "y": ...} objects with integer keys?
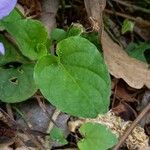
[
  {"x": 94, "y": 9},
  {"x": 43, "y": 107},
  {"x": 9, "y": 111},
  {"x": 132, "y": 6},
  {"x": 137, "y": 19},
  {"x": 135, "y": 122},
  {"x": 115, "y": 90},
  {"x": 33, "y": 138},
  {"x": 54, "y": 117},
  {"x": 52, "y": 120}
]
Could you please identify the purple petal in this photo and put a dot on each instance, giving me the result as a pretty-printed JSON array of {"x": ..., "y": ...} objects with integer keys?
[
  {"x": 6, "y": 6},
  {"x": 2, "y": 49}
]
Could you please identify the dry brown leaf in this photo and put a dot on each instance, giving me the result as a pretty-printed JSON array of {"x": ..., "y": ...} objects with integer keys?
[
  {"x": 124, "y": 94},
  {"x": 5, "y": 148},
  {"x": 125, "y": 111},
  {"x": 133, "y": 71}
]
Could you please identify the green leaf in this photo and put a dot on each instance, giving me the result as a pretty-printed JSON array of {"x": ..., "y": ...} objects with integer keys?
[
  {"x": 93, "y": 38},
  {"x": 75, "y": 29},
  {"x": 11, "y": 53},
  {"x": 77, "y": 81},
  {"x": 127, "y": 26},
  {"x": 31, "y": 37},
  {"x": 57, "y": 135},
  {"x": 138, "y": 51},
  {"x": 13, "y": 16},
  {"x": 17, "y": 83},
  {"x": 58, "y": 34},
  {"x": 96, "y": 137}
]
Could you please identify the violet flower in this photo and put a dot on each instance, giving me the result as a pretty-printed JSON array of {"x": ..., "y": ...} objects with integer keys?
[
  {"x": 6, "y": 6},
  {"x": 2, "y": 49}
]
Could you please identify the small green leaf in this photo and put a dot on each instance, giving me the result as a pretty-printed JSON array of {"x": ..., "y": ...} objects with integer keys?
[
  {"x": 77, "y": 80},
  {"x": 58, "y": 34},
  {"x": 96, "y": 137},
  {"x": 31, "y": 37},
  {"x": 139, "y": 51},
  {"x": 127, "y": 26},
  {"x": 75, "y": 29},
  {"x": 57, "y": 135},
  {"x": 17, "y": 83}
]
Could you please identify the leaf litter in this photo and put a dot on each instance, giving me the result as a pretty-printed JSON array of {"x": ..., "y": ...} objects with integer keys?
[
  {"x": 133, "y": 71},
  {"x": 137, "y": 75}
]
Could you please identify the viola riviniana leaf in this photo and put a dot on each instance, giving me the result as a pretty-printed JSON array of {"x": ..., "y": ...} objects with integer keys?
[
  {"x": 77, "y": 80},
  {"x": 17, "y": 83},
  {"x": 96, "y": 137}
]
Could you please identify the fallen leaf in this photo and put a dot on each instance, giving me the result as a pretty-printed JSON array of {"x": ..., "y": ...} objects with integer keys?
[
  {"x": 124, "y": 94},
  {"x": 6, "y": 147},
  {"x": 142, "y": 31},
  {"x": 133, "y": 71},
  {"x": 125, "y": 111}
]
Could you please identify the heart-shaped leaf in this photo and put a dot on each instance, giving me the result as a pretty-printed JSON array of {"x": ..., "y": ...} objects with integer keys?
[
  {"x": 77, "y": 80},
  {"x": 96, "y": 137},
  {"x": 17, "y": 84}
]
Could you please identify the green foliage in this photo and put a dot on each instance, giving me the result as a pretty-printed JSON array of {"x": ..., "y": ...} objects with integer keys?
[
  {"x": 12, "y": 53},
  {"x": 15, "y": 15},
  {"x": 30, "y": 36},
  {"x": 138, "y": 51},
  {"x": 96, "y": 137},
  {"x": 57, "y": 135},
  {"x": 58, "y": 34},
  {"x": 77, "y": 80},
  {"x": 93, "y": 38},
  {"x": 75, "y": 29},
  {"x": 127, "y": 26},
  {"x": 17, "y": 83},
  {"x": 16, "y": 75}
]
